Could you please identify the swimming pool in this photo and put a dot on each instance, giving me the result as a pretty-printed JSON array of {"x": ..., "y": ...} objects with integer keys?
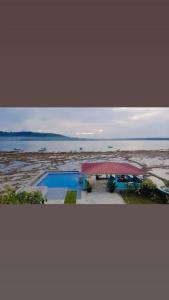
[{"x": 69, "y": 180}]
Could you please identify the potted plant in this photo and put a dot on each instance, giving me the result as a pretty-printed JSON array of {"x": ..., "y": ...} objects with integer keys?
[
  {"x": 89, "y": 187},
  {"x": 111, "y": 186}
]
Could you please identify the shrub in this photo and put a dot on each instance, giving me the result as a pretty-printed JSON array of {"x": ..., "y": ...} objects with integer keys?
[
  {"x": 9, "y": 196},
  {"x": 70, "y": 197},
  {"x": 148, "y": 183},
  {"x": 160, "y": 197},
  {"x": 31, "y": 197},
  {"x": 166, "y": 182},
  {"x": 147, "y": 187},
  {"x": 89, "y": 187}
]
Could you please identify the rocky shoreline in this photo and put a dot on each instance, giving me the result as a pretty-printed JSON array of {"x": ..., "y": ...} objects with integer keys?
[{"x": 18, "y": 169}]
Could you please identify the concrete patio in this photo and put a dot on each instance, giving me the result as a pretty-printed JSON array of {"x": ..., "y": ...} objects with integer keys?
[{"x": 100, "y": 198}]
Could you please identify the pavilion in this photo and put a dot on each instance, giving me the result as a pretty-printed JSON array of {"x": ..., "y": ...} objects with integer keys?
[{"x": 122, "y": 175}]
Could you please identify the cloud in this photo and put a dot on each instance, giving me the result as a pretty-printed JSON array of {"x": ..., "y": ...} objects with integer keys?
[
  {"x": 84, "y": 133},
  {"x": 145, "y": 115},
  {"x": 98, "y": 131}
]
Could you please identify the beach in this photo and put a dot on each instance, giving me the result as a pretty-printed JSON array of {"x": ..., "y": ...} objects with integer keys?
[{"x": 19, "y": 169}]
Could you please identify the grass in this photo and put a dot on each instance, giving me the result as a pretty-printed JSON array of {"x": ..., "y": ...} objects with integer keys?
[
  {"x": 132, "y": 198},
  {"x": 70, "y": 197}
]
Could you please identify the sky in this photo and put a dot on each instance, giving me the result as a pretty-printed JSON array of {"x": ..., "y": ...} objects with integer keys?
[{"x": 93, "y": 122}]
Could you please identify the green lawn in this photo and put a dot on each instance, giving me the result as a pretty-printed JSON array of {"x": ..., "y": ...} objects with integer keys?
[
  {"x": 132, "y": 198},
  {"x": 70, "y": 197}
]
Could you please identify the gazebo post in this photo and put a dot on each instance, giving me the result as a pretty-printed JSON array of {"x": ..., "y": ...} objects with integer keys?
[{"x": 84, "y": 180}]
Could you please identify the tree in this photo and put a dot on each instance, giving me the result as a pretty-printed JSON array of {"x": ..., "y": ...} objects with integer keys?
[{"x": 10, "y": 196}]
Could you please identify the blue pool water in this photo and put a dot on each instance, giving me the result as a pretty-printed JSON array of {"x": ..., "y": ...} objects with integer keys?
[{"x": 68, "y": 180}]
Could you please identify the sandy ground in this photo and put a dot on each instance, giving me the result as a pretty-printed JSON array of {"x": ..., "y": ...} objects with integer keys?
[{"x": 19, "y": 169}]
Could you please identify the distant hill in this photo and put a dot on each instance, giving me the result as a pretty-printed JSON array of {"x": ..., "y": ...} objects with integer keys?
[{"x": 29, "y": 136}]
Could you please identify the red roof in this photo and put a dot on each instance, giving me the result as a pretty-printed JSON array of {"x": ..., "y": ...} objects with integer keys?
[{"x": 110, "y": 168}]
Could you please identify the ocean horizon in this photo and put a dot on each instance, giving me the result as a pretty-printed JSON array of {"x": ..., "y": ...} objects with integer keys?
[{"x": 86, "y": 146}]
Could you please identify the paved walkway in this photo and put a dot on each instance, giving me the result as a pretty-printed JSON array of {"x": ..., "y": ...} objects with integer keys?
[{"x": 100, "y": 198}]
